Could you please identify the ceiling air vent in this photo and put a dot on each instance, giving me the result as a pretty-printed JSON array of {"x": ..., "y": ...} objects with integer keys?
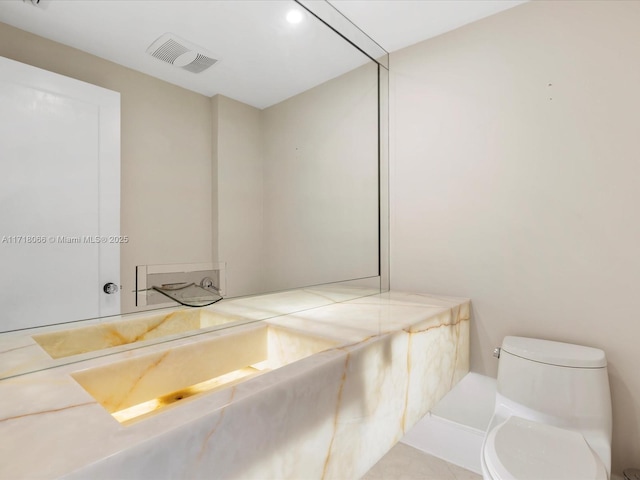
[{"x": 181, "y": 53}]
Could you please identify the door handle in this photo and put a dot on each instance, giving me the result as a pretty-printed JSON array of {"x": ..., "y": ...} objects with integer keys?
[{"x": 110, "y": 288}]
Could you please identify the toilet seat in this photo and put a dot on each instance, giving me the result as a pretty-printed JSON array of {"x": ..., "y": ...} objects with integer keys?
[{"x": 520, "y": 449}]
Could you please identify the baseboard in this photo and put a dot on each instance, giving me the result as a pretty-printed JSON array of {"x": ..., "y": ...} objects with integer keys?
[
  {"x": 453, "y": 442},
  {"x": 455, "y": 428}
]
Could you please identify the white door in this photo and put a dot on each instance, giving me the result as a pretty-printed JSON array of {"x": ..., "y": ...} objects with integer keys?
[{"x": 59, "y": 198}]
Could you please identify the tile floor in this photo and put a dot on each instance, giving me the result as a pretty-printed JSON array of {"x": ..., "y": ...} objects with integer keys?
[{"x": 407, "y": 463}]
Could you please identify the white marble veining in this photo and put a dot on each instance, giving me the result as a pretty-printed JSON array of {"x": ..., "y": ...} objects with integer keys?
[
  {"x": 50, "y": 346},
  {"x": 385, "y": 361}
]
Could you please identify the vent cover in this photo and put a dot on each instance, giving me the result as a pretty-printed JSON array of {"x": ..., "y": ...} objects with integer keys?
[{"x": 178, "y": 52}]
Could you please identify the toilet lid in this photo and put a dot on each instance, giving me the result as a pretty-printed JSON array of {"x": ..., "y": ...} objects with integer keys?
[{"x": 525, "y": 450}]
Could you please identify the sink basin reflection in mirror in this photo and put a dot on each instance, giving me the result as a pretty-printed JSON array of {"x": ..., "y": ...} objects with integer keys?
[
  {"x": 133, "y": 388},
  {"x": 74, "y": 341}
]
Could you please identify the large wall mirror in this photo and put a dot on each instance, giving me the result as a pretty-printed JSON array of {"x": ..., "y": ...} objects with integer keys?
[{"x": 249, "y": 144}]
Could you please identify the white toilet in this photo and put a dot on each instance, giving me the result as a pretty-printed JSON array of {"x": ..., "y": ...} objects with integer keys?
[{"x": 552, "y": 417}]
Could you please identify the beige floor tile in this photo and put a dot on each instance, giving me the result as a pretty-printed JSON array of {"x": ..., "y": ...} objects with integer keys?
[
  {"x": 407, "y": 463},
  {"x": 460, "y": 473}
]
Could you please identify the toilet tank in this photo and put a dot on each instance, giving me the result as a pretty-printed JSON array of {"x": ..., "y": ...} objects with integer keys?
[{"x": 568, "y": 383}]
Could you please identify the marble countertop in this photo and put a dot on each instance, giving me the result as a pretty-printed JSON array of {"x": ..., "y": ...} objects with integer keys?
[
  {"x": 21, "y": 353},
  {"x": 276, "y": 424}
]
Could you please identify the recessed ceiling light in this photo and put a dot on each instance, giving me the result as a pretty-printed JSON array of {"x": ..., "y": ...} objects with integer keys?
[{"x": 294, "y": 16}]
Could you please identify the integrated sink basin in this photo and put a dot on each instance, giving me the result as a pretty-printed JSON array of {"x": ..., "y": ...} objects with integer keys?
[
  {"x": 134, "y": 388},
  {"x": 65, "y": 343}
]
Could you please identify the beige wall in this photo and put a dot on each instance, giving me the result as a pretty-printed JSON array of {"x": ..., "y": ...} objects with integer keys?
[
  {"x": 165, "y": 155},
  {"x": 515, "y": 161},
  {"x": 240, "y": 167},
  {"x": 321, "y": 182},
  {"x": 297, "y": 186}
]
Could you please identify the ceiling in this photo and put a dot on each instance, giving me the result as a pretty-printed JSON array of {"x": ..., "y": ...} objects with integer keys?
[
  {"x": 395, "y": 24},
  {"x": 263, "y": 59}
]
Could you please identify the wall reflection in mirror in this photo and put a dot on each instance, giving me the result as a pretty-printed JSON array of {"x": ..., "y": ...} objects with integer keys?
[{"x": 260, "y": 168}]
